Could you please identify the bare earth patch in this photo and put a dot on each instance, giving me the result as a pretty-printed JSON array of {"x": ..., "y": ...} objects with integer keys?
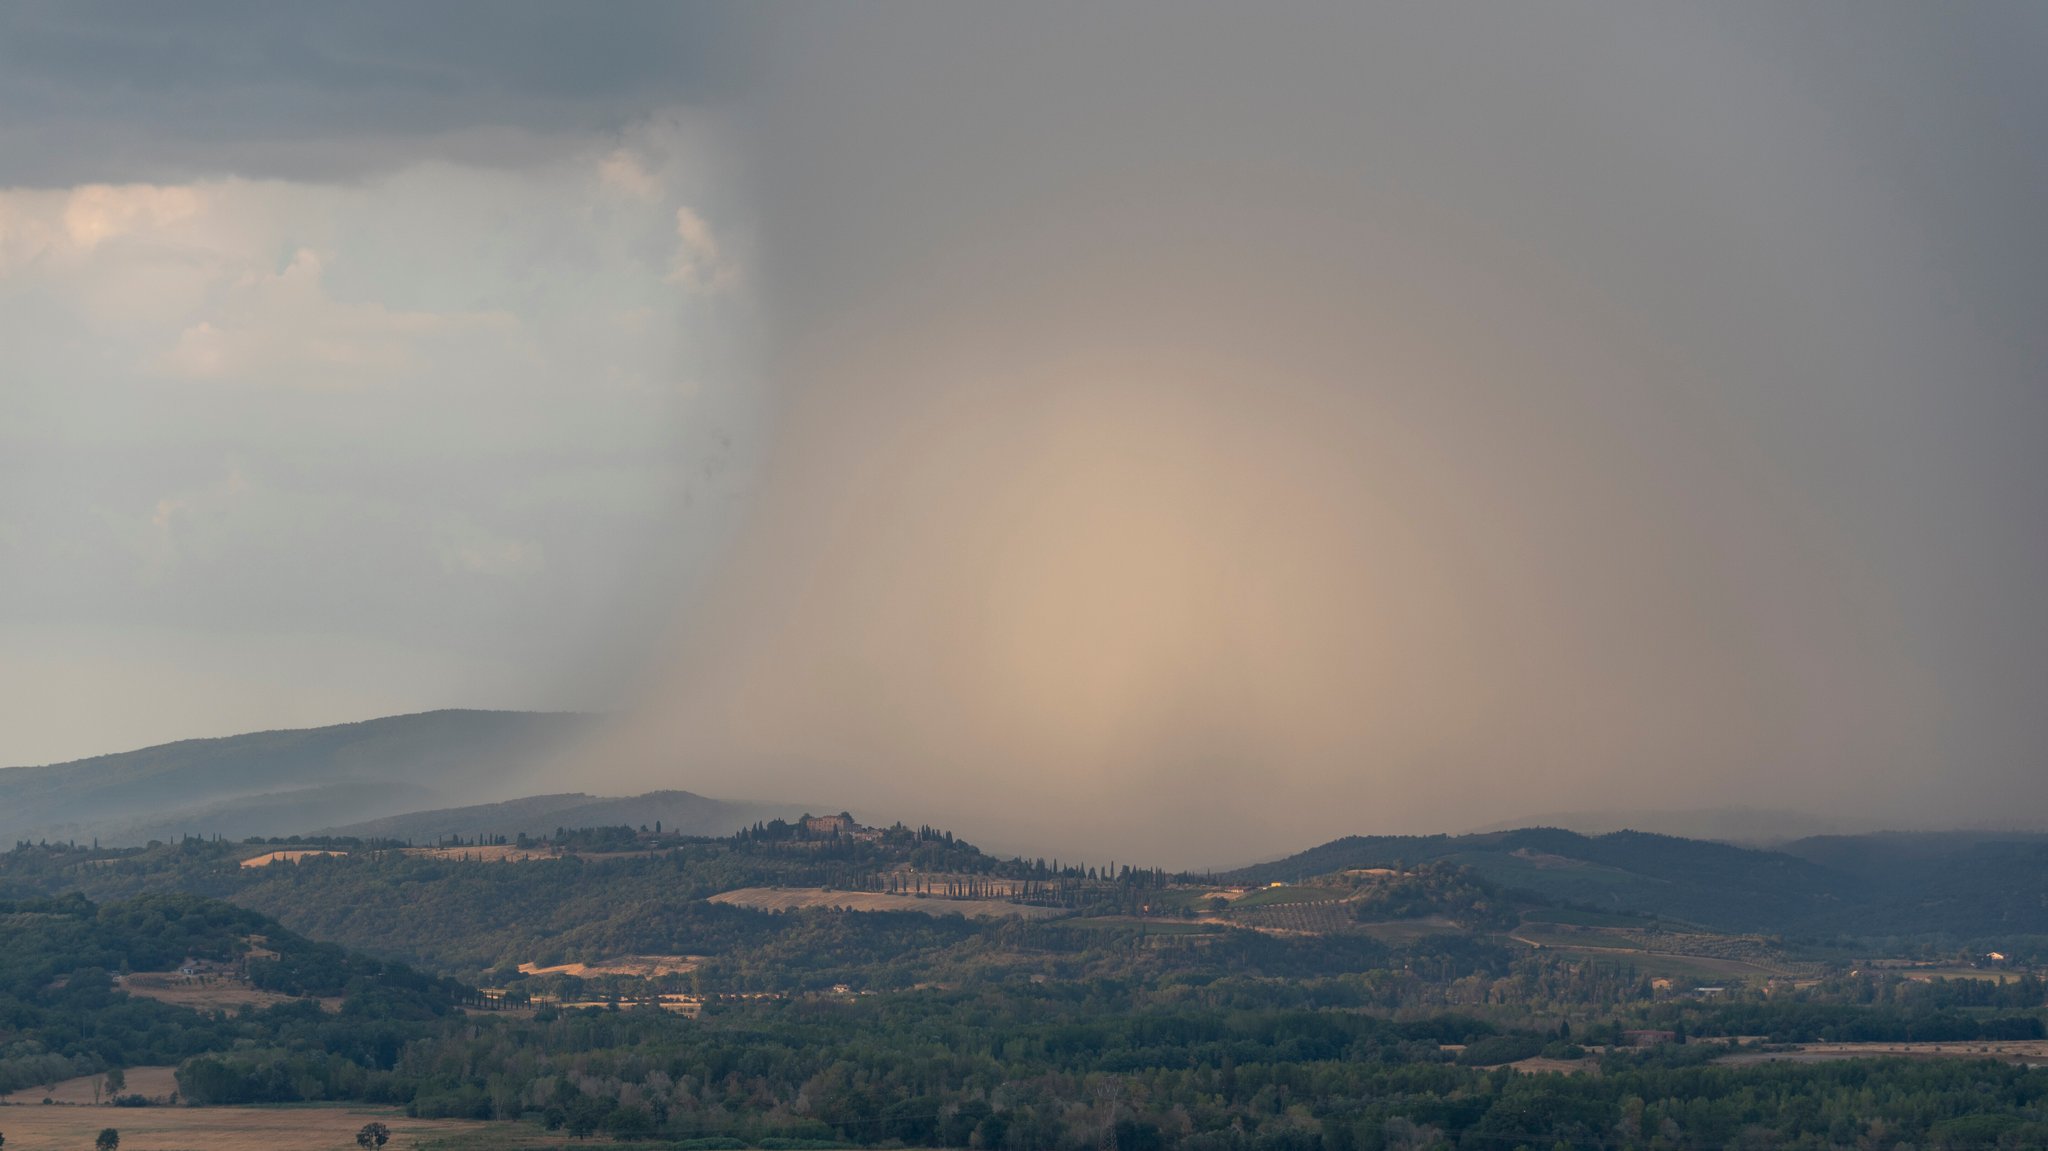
[
  {"x": 214, "y": 995},
  {"x": 792, "y": 898},
  {"x": 38, "y": 1128}
]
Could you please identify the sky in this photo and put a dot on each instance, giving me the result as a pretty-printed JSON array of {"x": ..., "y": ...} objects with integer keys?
[
  {"x": 356, "y": 363},
  {"x": 1198, "y": 428}
]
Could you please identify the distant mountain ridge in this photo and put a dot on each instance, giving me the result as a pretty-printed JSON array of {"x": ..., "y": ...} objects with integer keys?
[
  {"x": 266, "y": 783},
  {"x": 1745, "y": 826},
  {"x": 683, "y": 812}
]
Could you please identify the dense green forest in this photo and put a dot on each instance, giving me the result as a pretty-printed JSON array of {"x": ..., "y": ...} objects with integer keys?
[
  {"x": 62, "y": 1013},
  {"x": 1201, "y": 1059},
  {"x": 605, "y": 892},
  {"x": 612, "y": 894},
  {"x": 1377, "y": 1004}
]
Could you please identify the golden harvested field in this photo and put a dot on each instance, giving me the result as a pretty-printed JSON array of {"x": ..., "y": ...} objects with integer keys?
[
  {"x": 293, "y": 856},
  {"x": 217, "y": 995},
  {"x": 645, "y": 966},
  {"x": 36, "y": 1128},
  {"x": 149, "y": 1082},
  {"x": 792, "y": 898}
]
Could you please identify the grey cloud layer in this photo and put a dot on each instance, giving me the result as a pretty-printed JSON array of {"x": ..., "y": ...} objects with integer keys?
[{"x": 124, "y": 92}]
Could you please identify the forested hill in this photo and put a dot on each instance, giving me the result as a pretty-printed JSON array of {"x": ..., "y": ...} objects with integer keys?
[
  {"x": 72, "y": 975},
  {"x": 273, "y": 781},
  {"x": 681, "y": 812},
  {"x": 1965, "y": 883}
]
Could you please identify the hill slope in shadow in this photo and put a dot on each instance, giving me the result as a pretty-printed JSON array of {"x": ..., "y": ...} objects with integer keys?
[
  {"x": 267, "y": 783},
  {"x": 682, "y": 812}
]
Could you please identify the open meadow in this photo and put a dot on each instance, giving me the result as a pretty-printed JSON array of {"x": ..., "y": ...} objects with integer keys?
[
  {"x": 155, "y": 1083},
  {"x": 214, "y": 994},
  {"x": 298, "y": 1128}
]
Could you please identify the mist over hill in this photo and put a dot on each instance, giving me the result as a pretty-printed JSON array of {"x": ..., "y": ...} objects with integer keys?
[
  {"x": 265, "y": 783},
  {"x": 681, "y": 812},
  {"x": 1748, "y": 826}
]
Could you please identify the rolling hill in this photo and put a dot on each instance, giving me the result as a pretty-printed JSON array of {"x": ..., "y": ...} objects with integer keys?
[
  {"x": 682, "y": 812},
  {"x": 269, "y": 782},
  {"x": 1714, "y": 884},
  {"x": 1966, "y": 885}
]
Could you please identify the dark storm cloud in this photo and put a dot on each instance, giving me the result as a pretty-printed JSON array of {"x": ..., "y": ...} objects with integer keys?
[{"x": 123, "y": 92}]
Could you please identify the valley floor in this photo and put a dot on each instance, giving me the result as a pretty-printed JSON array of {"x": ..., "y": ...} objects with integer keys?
[
  {"x": 2029, "y": 1053},
  {"x": 156, "y": 1083},
  {"x": 297, "y": 1128}
]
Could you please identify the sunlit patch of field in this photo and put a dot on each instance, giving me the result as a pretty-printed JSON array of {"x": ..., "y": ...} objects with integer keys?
[
  {"x": 36, "y": 1128},
  {"x": 216, "y": 995},
  {"x": 290, "y": 856},
  {"x": 794, "y": 898},
  {"x": 148, "y": 1082},
  {"x": 644, "y": 966}
]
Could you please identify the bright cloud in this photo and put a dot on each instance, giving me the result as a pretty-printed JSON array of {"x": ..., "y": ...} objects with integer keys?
[
  {"x": 287, "y": 329},
  {"x": 625, "y": 172},
  {"x": 698, "y": 264},
  {"x": 99, "y": 212},
  {"x": 403, "y": 410}
]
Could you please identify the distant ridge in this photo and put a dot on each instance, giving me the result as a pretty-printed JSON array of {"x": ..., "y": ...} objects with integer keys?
[
  {"x": 1966, "y": 883},
  {"x": 679, "y": 811},
  {"x": 1732, "y": 888},
  {"x": 1747, "y": 826},
  {"x": 275, "y": 782}
]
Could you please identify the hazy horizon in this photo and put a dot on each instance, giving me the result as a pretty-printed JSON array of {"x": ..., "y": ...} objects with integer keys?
[
  {"x": 1764, "y": 828},
  {"x": 1208, "y": 429}
]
